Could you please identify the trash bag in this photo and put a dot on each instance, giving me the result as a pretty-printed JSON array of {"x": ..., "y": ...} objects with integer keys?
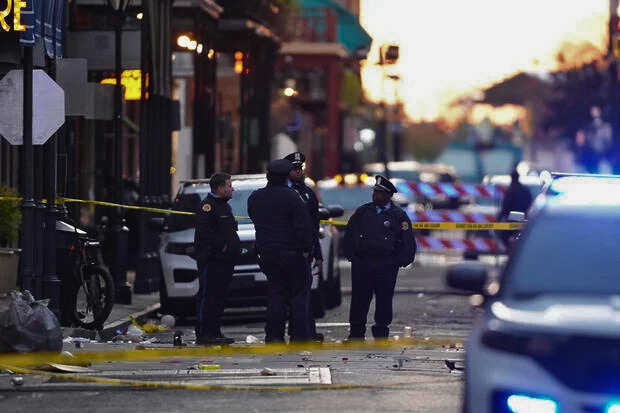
[{"x": 27, "y": 325}]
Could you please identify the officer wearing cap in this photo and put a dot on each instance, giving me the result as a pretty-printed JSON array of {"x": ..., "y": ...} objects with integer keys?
[
  {"x": 296, "y": 177},
  {"x": 378, "y": 240},
  {"x": 284, "y": 242},
  {"x": 217, "y": 247}
]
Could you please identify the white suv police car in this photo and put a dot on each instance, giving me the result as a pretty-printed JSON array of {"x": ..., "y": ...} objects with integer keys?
[
  {"x": 548, "y": 339},
  {"x": 179, "y": 284}
]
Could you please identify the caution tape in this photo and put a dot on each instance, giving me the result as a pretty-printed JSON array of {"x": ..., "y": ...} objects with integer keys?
[
  {"x": 155, "y": 353},
  {"x": 62, "y": 200},
  {"x": 469, "y": 226}
]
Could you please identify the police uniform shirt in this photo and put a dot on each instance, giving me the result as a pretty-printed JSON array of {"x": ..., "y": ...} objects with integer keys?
[
  {"x": 312, "y": 203},
  {"x": 281, "y": 219},
  {"x": 216, "y": 227},
  {"x": 388, "y": 233}
]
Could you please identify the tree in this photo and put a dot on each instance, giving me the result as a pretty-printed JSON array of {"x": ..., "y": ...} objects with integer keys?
[{"x": 425, "y": 140}]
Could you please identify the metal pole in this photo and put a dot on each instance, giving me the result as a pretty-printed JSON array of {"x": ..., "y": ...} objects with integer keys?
[
  {"x": 383, "y": 130},
  {"x": 27, "y": 206},
  {"x": 51, "y": 282},
  {"x": 118, "y": 264},
  {"x": 142, "y": 284}
]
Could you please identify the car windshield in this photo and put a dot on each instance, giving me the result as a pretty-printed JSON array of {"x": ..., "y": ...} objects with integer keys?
[
  {"x": 348, "y": 198},
  {"x": 566, "y": 254},
  {"x": 189, "y": 202},
  {"x": 413, "y": 176}
]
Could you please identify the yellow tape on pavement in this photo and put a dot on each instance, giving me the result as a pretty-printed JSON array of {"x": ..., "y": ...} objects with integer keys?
[{"x": 155, "y": 353}]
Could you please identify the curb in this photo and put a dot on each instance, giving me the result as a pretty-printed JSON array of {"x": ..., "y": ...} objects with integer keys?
[{"x": 109, "y": 331}]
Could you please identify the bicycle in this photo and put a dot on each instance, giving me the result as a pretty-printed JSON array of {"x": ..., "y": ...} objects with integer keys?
[{"x": 88, "y": 295}]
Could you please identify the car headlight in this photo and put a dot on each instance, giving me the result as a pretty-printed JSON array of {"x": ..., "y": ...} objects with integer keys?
[{"x": 516, "y": 402}]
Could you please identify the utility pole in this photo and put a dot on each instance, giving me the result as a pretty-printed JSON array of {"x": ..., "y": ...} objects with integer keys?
[{"x": 120, "y": 238}]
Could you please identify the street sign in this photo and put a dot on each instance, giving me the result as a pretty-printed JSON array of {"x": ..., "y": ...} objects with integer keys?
[{"x": 48, "y": 107}]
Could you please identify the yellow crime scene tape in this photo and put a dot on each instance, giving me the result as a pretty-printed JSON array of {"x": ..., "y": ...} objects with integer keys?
[
  {"x": 469, "y": 226},
  {"x": 32, "y": 363},
  {"x": 155, "y": 353}
]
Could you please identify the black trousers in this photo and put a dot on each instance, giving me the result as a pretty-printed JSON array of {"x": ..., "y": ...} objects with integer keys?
[
  {"x": 214, "y": 281},
  {"x": 287, "y": 284},
  {"x": 372, "y": 275}
]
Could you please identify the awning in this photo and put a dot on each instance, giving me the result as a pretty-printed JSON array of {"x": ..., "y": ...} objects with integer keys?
[
  {"x": 44, "y": 20},
  {"x": 350, "y": 33}
]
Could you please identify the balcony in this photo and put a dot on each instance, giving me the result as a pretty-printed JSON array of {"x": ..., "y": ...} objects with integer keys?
[
  {"x": 266, "y": 12},
  {"x": 312, "y": 25}
]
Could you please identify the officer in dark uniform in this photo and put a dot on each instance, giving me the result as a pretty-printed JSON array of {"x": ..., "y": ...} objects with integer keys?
[
  {"x": 517, "y": 198},
  {"x": 378, "y": 240},
  {"x": 284, "y": 242},
  {"x": 217, "y": 245},
  {"x": 297, "y": 177}
]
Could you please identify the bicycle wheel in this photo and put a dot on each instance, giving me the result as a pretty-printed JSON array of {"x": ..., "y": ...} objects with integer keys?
[{"x": 93, "y": 299}]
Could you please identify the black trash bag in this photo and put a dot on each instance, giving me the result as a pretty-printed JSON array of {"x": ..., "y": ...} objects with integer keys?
[{"x": 27, "y": 325}]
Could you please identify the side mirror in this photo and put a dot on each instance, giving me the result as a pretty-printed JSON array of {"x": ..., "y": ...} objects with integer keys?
[
  {"x": 336, "y": 211},
  {"x": 324, "y": 213},
  {"x": 515, "y": 216},
  {"x": 156, "y": 223},
  {"x": 470, "y": 277}
]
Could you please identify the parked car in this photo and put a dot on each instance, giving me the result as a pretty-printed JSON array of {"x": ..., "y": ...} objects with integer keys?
[
  {"x": 425, "y": 175},
  {"x": 547, "y": 336},
  {"x": 179, "y": 284}
]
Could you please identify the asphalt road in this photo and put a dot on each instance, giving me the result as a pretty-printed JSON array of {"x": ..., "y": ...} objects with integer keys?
[{"x": 399, "y": 378}]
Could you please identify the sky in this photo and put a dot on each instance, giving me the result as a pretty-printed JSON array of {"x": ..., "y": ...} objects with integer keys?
[{"x": 449, "y": 48}]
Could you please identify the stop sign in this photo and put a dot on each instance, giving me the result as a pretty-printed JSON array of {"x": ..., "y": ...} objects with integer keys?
[{"x": 48, "y": 107}]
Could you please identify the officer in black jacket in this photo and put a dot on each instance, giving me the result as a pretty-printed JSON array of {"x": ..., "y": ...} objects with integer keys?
[
  {"x": 217, "y": 245},
  {"x": 297, "y": 182},
  {"x": 284, "y": 242},
  {"x": 378, "y": 240}
]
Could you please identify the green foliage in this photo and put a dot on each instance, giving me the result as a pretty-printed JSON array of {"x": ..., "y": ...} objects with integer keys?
[
  {"x": 10, "y": 217},
  {"x": 351, "y": 89},
  {"x": 425, "y": 141}
]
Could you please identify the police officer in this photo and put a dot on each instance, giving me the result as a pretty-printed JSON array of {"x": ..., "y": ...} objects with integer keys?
[
  {"x": 217, "y": 245},
  {"x": 296, "y": 177},
  {"x": 378, "y": 239},
  {"x": 284, "y": 242},
  {"x": 517, "y": 198}
]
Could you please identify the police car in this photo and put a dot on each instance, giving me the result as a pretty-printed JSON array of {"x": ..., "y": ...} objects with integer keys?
[
  {"x": 548, "y": 337},
  {"x": 179, "y": 284}
]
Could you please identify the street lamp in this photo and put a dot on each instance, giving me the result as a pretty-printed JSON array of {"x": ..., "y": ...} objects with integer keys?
[
  {"x": 118, "y": 261},
  {"x": 388, "y": 55}
]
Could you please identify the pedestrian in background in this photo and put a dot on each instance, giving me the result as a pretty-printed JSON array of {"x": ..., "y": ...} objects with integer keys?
[
  {"x": 217, "y": 246},
  {"x": 517, "y": 198},
  {"x": 315, "y": 260},
  {"x": 284, "y": 242},
  {"x": 378, "y": 239}
]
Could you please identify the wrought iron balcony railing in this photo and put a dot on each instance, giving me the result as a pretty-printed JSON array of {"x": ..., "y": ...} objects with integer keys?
[{"x": 310, "y": 24}]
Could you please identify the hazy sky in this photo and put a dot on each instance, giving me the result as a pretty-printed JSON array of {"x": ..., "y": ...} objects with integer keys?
[{"x": 452, "y": 46}]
